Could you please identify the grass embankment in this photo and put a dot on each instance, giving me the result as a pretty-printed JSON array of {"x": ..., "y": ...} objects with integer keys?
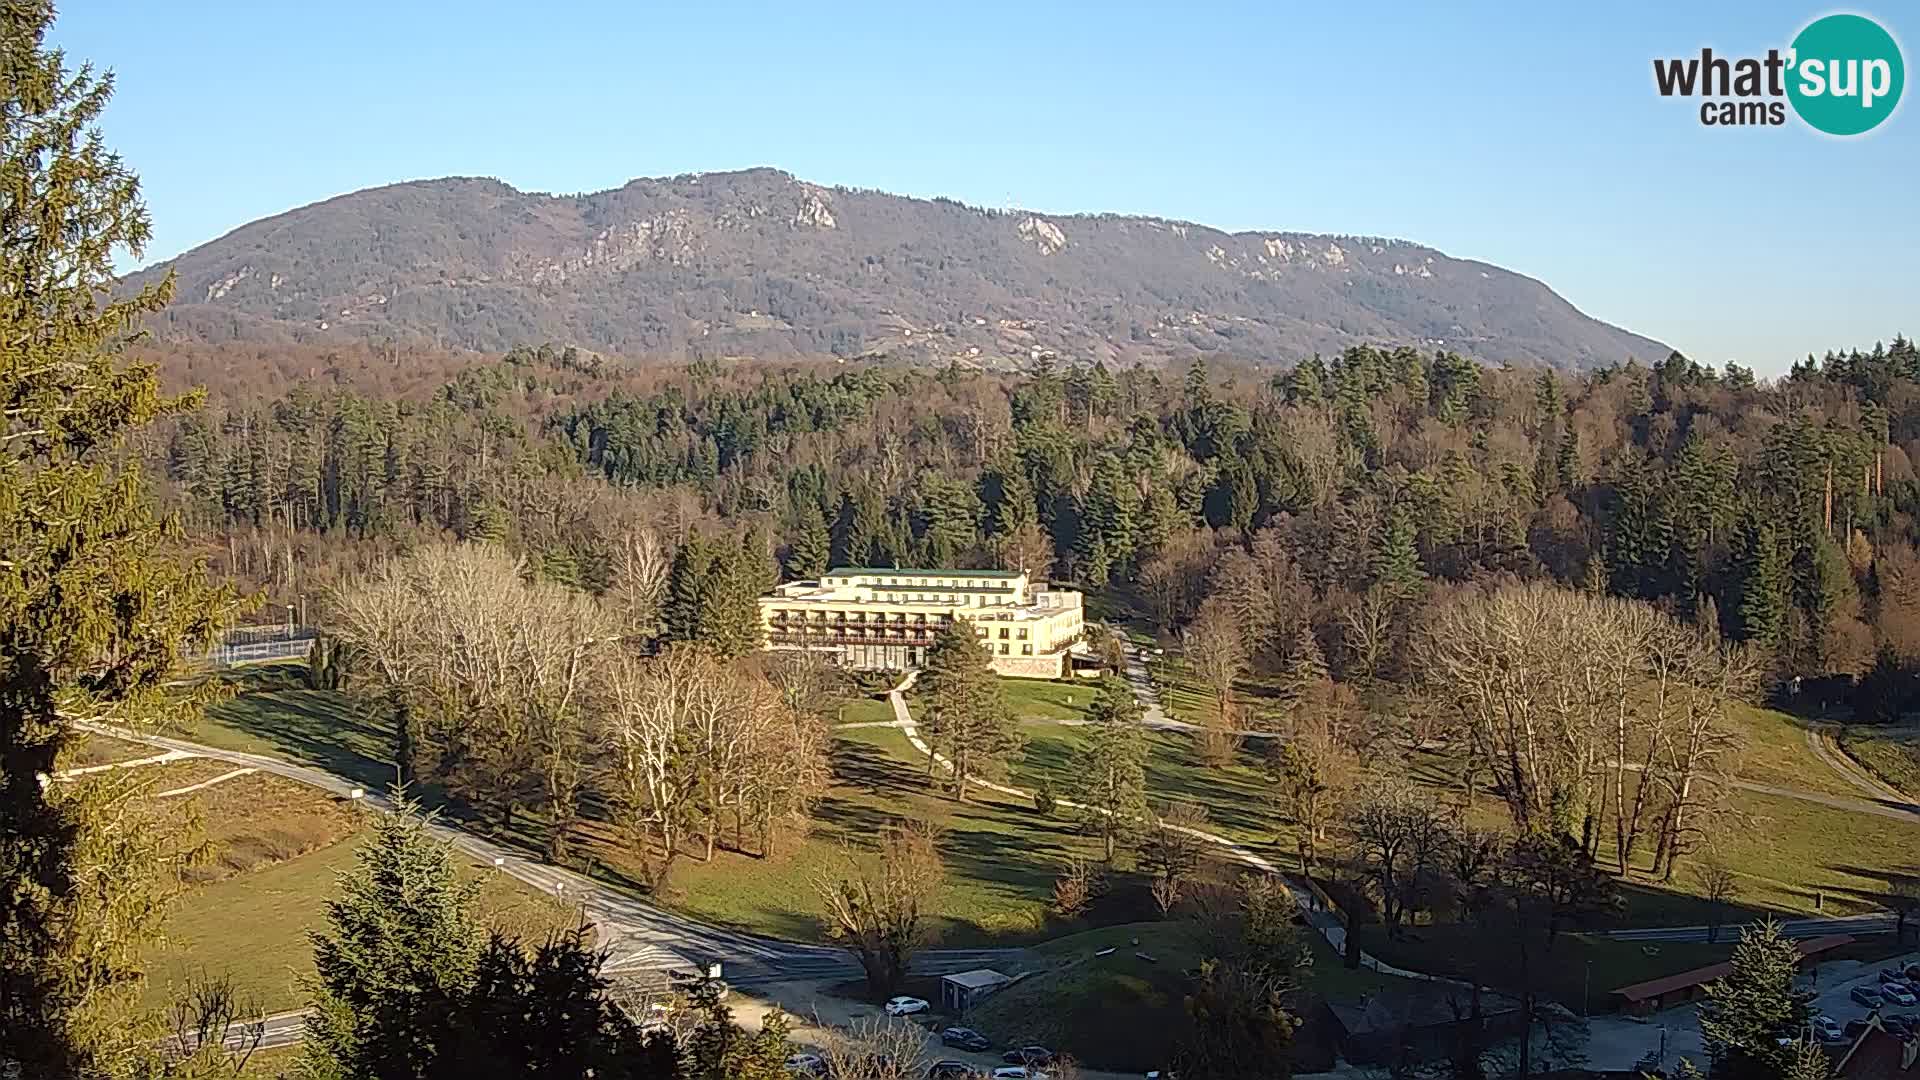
[
  {"x": 1895, "y": 760},
  {"x": 865, "y": 710},
  {"x": 275, "y": 845},
  {"x": 1123, "y": 1011},
  {"x": 253, "y": 926}
]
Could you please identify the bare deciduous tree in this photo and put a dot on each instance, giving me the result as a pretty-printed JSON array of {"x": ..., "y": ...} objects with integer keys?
[
  {"x": 639, "y": 589},
  {"x": 1717, "y": 886},
  {"x": 1311, "y": 775},
  {"x": 213, "y": 1029},
  {"x": 880, "y": 913},
  {"x": 1217, "y": 651},
  {"x": 878, "y": 1048}
]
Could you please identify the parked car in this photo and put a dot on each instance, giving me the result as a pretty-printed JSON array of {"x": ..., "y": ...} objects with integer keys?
[
  {"x": 964, "y": 1039},
  {"x": 1028, "y": 1055},
  {"x": 1900, "y": 1024},
  {"x": 1018, "y": 1072},
  {"x": 807, "y": 1065},
  {"x": 906, "y": 1006},
  {"x": 1855, "y": 1027},
  {"x": 1912, "y": 971},
  {"x": 952, "y": 1070},
  {"x": 1868, "y": 996},
  {"x": 1898, "y": 994},
  {"x": 1827, "y": 1029},
  {"x": 1893, "y": 975}
]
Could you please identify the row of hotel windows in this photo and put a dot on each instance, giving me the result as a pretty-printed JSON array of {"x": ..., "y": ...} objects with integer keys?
[
  {"x": 969, "y": 600},
  {"x": 941, "y": 583},
  {"x": 919, "y": 618}
]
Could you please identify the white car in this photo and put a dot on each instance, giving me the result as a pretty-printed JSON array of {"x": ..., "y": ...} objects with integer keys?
[
  {"x": 906, "y": 1006},
  {"x": 1898, "y": 994},
  {"x": 1018, "y": 1072}
]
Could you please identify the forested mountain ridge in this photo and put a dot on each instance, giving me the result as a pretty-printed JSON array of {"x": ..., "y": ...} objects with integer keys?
[{"x": 758, "y": 263}]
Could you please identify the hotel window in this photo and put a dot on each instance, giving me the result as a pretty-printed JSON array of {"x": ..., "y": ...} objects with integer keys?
[
  {"x": 1026, "y": 650},
  {"x": 1023, "y": 635},
  {"x": 1003, "y": 633}
]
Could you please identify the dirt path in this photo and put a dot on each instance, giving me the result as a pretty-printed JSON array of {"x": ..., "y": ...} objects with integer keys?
[{"x": 1820, "y": 740}]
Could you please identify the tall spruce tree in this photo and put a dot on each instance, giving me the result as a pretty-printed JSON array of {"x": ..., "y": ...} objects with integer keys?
[
  {"x": 1110, "y": 770},
  {"x": 1762, "y": 583},
  {"x": 810, "y": 545},
  {"x": 399, "y": 945},
  {"x": 96, "y": 597},
  {"x": 1753, "y": 1017},
  {"x": 967, "y": 715}
]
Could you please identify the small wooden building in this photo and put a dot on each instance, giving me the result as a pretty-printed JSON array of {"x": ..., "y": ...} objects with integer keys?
[{"x": 1651, "y": 996}]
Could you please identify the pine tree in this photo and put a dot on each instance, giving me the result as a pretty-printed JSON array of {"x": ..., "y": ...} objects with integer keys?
[
  {"x": 810, "y": 545},
  {"x": 1306, "y": 383},
  {"x": 399, "y": 944},
  {"x": 1307, "y": 669},
  {"x": 1753, "y": 1017},
  {"x": 1567, "y": 463},
  {"x": 686, "y": 578},
  {"x": 1007, "y": 495},
  {"x": 543, "y": 1014},
  {"x": 1762, "y": 581},
  {"x": 727, "y": 610},
  {"x": 1396, "y": 561},
  {"x": 1111, "y": 768},
  {"x": 967, "y": 715},
  {"x": 95, "y": 601}
]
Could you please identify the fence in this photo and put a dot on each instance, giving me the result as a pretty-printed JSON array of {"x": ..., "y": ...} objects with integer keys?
[{"x": 252, "y": 643}]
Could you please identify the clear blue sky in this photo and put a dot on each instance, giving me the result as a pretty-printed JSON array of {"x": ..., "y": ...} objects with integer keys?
[{"x": 1525, "y": 134}]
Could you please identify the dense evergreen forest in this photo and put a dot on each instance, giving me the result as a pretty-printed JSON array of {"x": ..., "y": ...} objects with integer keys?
[{"x": 1330, "y": 502}]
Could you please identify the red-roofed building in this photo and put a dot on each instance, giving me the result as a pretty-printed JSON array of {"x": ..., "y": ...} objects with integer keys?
[
  {"x": 1670, "y": 990},
  {"x": 1878, "y": 1054}
]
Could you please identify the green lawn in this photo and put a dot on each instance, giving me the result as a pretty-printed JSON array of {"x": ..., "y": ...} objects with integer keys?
[
  {"x": 1038, "y": 701},
  {"x": 271, "y": 1064},
  {"x": 253, "y": 926},
  {"x": 275, "y": 713},
  {"x": 1774, "y": 751},
  {"x": 1234, "y": 796},
  {"x": 866, "y": 710},
  {"x": 1123, "y": 1011},
  {"x": 1001, "y": 855},
  {"x": 1578, "y": 966},
  {"x": 1895, "y": 761}
]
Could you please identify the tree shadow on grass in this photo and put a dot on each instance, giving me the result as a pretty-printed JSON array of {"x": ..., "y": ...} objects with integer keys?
[{"x": 321, "y": 728}]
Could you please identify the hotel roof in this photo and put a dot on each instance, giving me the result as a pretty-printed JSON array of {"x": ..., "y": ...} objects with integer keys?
[{"x": 850, "y": 571}]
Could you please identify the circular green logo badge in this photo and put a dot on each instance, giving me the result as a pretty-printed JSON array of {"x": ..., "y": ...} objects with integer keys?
[{"x": 1846, "y": 76}]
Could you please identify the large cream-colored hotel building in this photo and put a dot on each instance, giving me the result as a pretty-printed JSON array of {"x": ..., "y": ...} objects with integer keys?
[{"x": 875, "y": 617}]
